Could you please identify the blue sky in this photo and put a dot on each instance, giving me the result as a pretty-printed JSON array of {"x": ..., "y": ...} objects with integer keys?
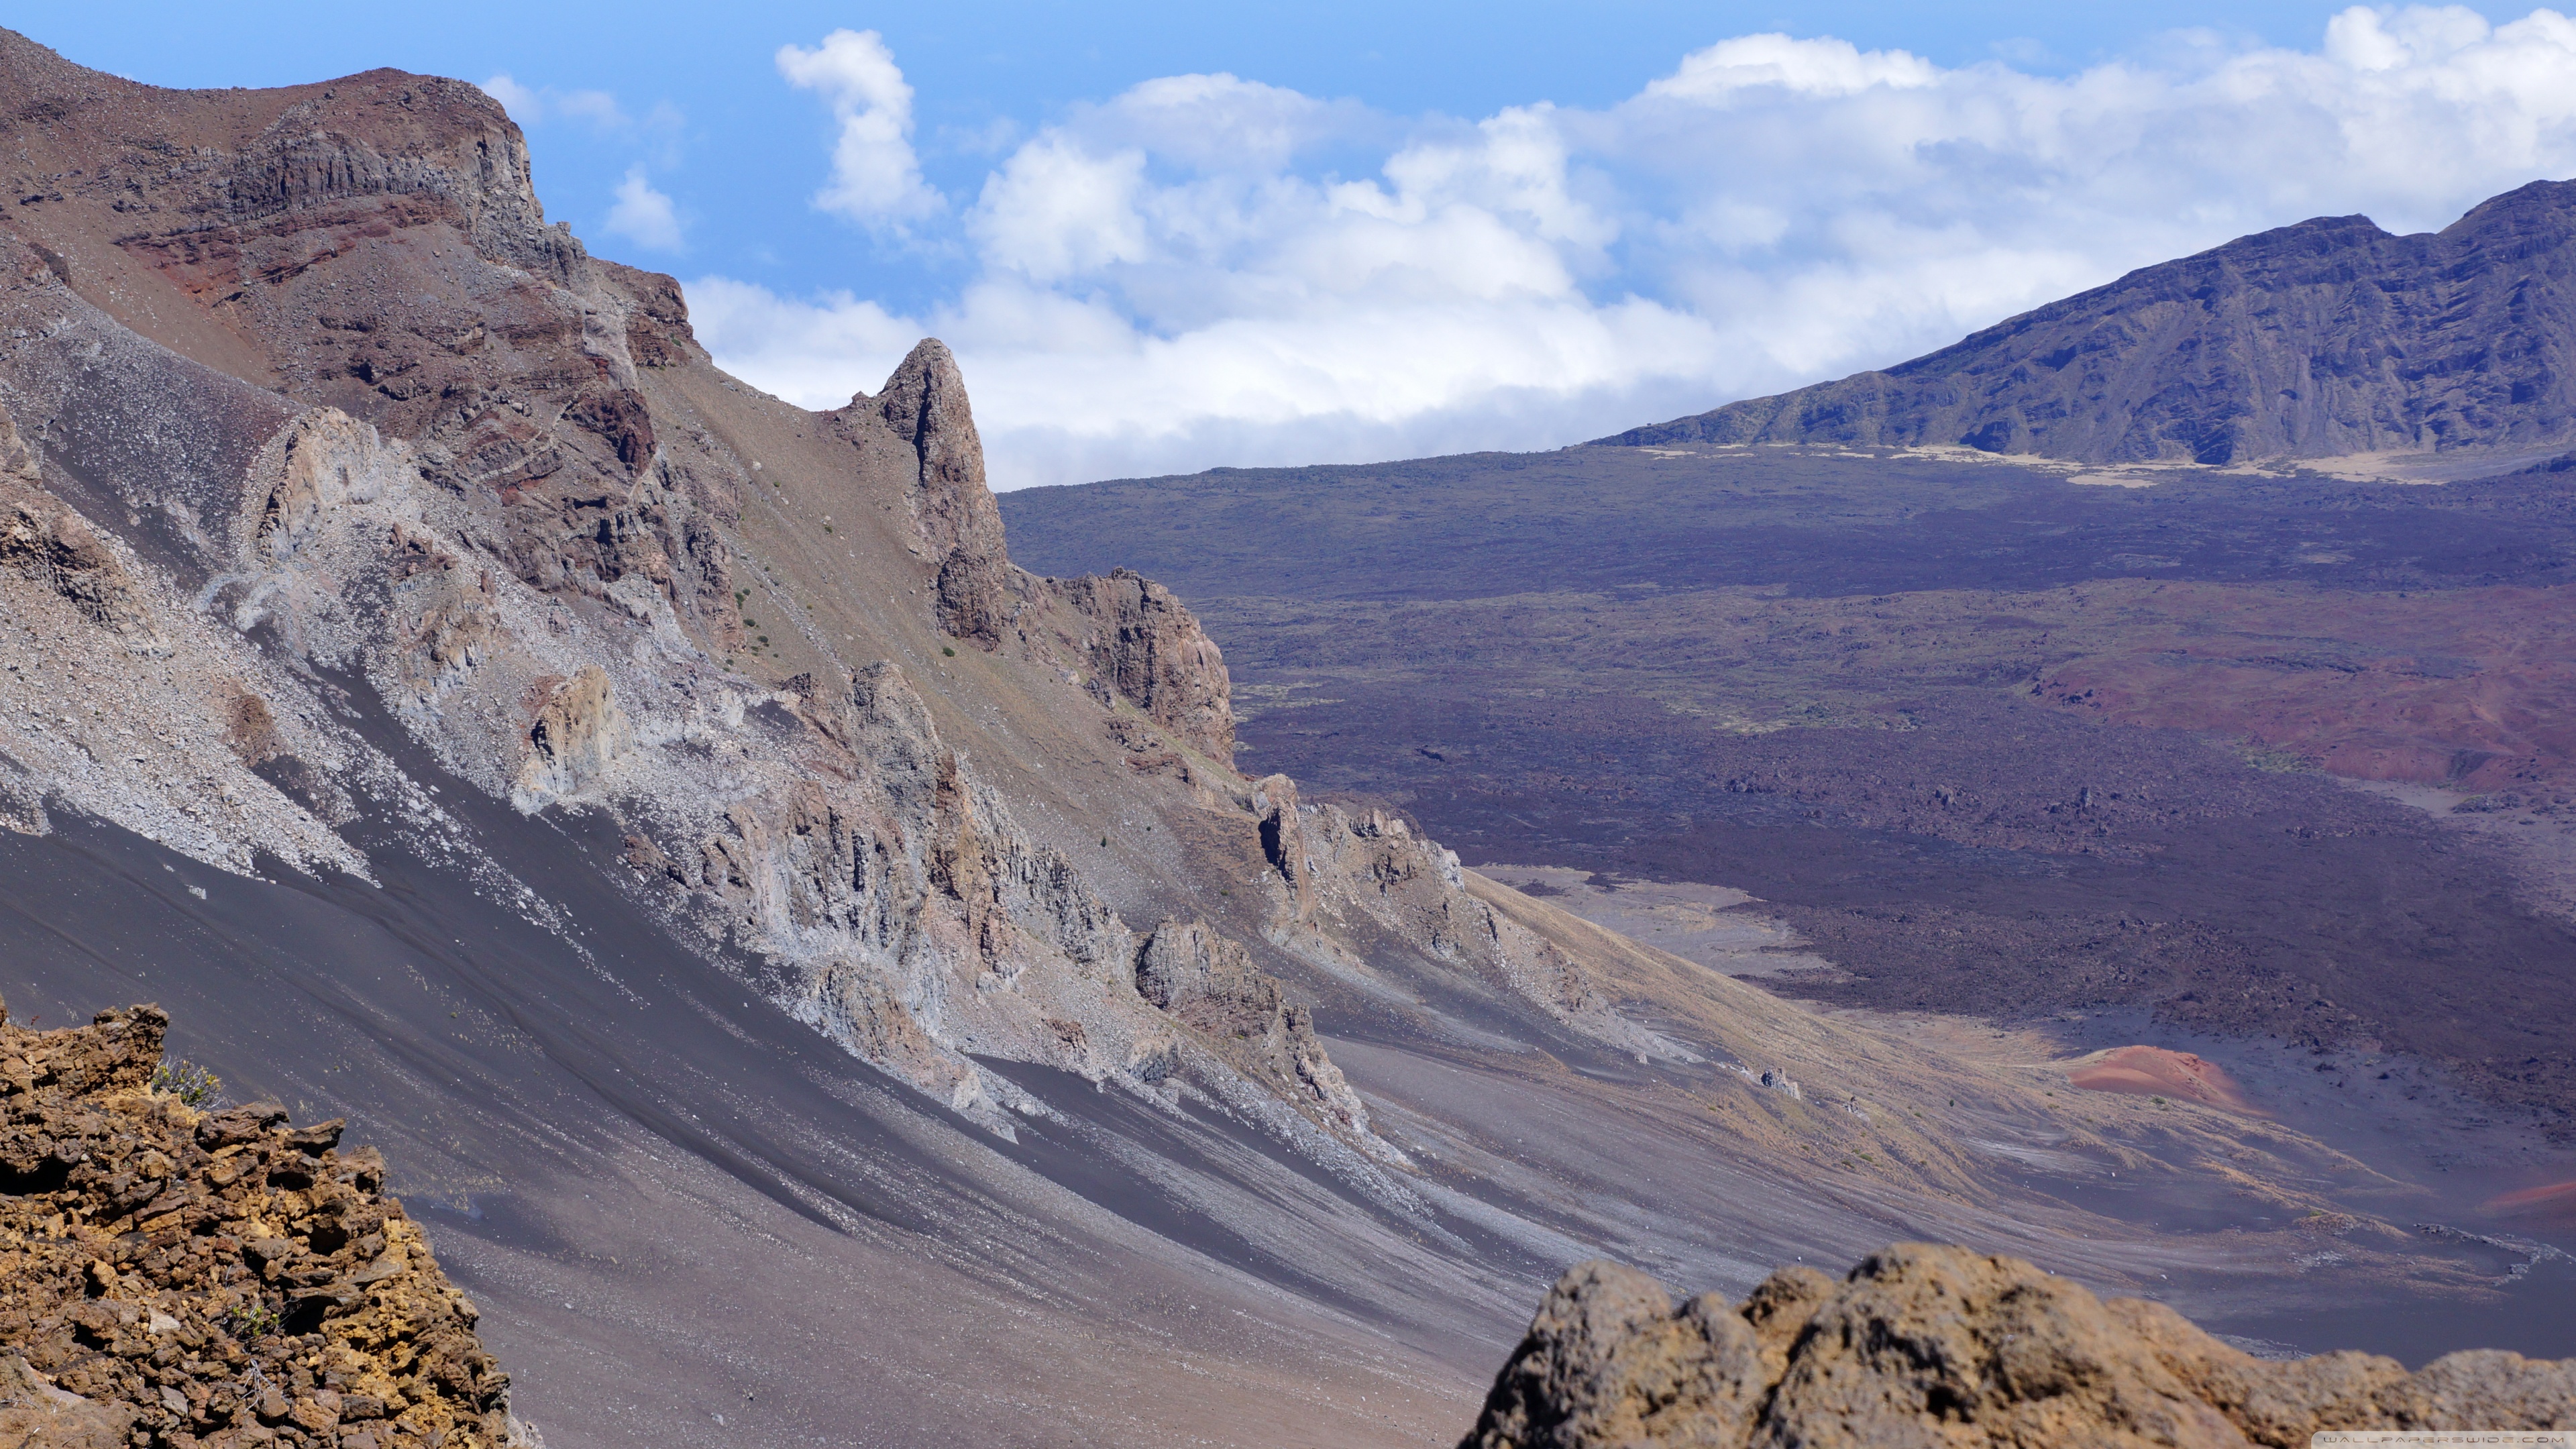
[{"x": 1164, "y": 237}]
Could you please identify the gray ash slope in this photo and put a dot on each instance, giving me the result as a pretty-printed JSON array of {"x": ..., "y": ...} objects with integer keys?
[
  {"x": 2327, "y": 338},
  {"x": 670, "y": 823}
]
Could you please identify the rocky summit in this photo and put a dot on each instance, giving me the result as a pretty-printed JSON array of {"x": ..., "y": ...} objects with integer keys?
[
  {"x": 172, "y": 1277},
  {"x": 2327, "y": 338},
  {"x": 1922, "y": 1346}
]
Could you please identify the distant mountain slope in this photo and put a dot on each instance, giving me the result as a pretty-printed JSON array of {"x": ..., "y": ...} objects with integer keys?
[{"x": 2316, "y": 340}]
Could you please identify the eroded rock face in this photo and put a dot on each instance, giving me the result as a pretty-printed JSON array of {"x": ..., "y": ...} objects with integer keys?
[
  {"x": 172, "y": 1277},
  {"x": 446, "y": 453},
  {"x": 1143, "y": 646},
  {"x": 1333, "y": 870},
  {"x": 42, "y": 539},
  {"x": 1208, "y": 983},
  {"x": 376, "y": 244},
  {"x": 1925, "y": 1345},
  {"x": 578, "y": 734}
]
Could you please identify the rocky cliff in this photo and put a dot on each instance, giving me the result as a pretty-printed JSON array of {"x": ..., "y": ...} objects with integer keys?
[
  {"x": 1925, "y": 1345},
  {"x": 460, "y": 474},
  {"x": 2327, "y": 338},
  {"x": 177, "y": 1277}
]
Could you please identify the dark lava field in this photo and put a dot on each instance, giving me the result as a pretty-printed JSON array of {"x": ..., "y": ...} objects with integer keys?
[{"x": 1997, "y": 742}]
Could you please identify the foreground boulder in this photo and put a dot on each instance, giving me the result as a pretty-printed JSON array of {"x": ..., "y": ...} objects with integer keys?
[
  {"x": 1938, "y": 1346},
  {"x": 177, "y": 1277}
]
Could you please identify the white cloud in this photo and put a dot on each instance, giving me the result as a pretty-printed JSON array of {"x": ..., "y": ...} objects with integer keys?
[
  {"x": 531, "y": 106},
  {"x": 522, "y": 103},
  {"x": 643, "y": 215},
  {"x": 1804, "y": 67},
  {"x": 815, "y": 354},
  {"x": 1166, "y": 281},
  {"x": 599, "y": 108},
  {"x": 876, "y": 178}
]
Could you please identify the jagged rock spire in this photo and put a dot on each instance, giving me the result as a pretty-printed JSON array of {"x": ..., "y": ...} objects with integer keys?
[{"x": 924, "y": 403}]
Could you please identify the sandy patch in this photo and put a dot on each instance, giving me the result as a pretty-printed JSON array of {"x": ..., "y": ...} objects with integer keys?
[
  {"x": 2146, "y": 1071},
  {"x": 1702, "y": 923}
]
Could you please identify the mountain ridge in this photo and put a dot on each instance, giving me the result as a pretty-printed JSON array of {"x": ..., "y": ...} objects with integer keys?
[{"x": 2326, "y": 338}]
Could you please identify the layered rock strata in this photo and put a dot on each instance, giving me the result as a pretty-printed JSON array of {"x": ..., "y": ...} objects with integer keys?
[
  {"x": 1924, "y": 1345},
  {"x": 172, "y": 1277}
]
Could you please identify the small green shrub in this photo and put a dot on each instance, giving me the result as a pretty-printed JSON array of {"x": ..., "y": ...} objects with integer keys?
[
  {"x": 248, "y": 1322},
  {"x": 951, "y": 653},
  {"x": 188, "y": 1082}
]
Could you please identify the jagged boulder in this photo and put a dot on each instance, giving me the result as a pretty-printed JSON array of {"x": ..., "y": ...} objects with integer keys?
[
  {"x": 579, "y": 731},
  {"x": 177, "y": 1277},
  {"x": 1938, "y": 1346}
]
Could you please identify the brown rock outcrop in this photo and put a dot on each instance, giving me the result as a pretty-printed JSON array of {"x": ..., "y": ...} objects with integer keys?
[
  {"x": 1938, "y": 1346},
  {"x": 1208, "y": 983},
  {"x": 374, "y": 245},
  {"x": 1144, "y": 646},
  {"x": 924, "y": 404},
  {"x": 1335, "y": 867},
  {"x": 578, "y": 731},
  {"x": 1283, "y": 841},
  {"x": 172, "y": 1277},
  {"x": 43, "y": 539}
]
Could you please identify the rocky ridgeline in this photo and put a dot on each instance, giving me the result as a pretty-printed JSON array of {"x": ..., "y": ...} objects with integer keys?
[
  {"x": 1931, "y": 1346},
  {"x": 2316, "y": 340},
  {"x": 1142, "y": 645},
  {"x": 175, "y": 1277},
  {"x": 499, "y": 481}
]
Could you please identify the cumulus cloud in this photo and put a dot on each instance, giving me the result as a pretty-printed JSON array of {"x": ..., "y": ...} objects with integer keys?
[
  {"x": 643, "y": 215},
  {"x": 876, "y": 178},
  {"x": 1172, "y": 279}
]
